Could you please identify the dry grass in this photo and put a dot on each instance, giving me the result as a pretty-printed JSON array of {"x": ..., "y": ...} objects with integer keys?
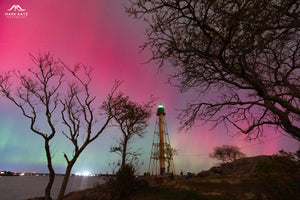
[{"x": 219, "y": 188}]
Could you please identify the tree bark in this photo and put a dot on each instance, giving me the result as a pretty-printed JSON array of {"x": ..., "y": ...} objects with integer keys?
[
  {"x": 124, "y": 152},
  {"x": 66, "y": 179},
  {"x": 51, "y": 171}
]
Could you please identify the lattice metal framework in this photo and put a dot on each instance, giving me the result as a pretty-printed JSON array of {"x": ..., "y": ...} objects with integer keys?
[{"x": 161, "y": 159}]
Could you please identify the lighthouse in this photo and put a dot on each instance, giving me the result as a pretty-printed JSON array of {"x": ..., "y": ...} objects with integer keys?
[{"x": 161, "y": 151}]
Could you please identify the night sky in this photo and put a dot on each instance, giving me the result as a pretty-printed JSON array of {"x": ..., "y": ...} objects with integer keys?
[{"x": 98, "y": 33}]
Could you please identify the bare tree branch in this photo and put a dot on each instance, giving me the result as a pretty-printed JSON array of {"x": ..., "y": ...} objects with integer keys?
[
  {"x": 78, "y": 114},
  {"x": 132, "y": 119},
  {"x": 36, "y": 95},
  {"x": 243, "y": 52}
]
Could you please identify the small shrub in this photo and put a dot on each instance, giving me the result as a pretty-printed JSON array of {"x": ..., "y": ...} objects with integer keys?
[
  {"x": 124, "y": 182},
  {"x": 279, "y": 176}
]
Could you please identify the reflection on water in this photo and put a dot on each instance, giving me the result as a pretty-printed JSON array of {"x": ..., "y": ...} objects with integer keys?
[{"x": 24, "y": 187}]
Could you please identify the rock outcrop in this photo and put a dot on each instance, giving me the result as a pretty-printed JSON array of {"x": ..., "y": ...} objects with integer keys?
[{"x": 240, "y": 167}]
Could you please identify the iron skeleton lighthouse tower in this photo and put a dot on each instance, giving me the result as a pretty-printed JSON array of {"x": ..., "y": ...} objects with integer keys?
[{"x": 161, "y": 152}]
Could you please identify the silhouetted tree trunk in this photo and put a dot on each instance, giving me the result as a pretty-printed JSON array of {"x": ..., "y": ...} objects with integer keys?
[
  {"x": 51, "y": 171},
  {"x": 64, "y": 184},
  {"x": 124, "y": 153}
]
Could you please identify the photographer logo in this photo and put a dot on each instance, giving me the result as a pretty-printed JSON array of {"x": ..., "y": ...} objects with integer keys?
[{"x": 16, "y": 11}]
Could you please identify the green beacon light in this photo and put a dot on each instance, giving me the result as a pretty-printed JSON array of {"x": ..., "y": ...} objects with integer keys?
[
  {"x": 160, "y": 109},
  {"x": 160, "y": 106}
]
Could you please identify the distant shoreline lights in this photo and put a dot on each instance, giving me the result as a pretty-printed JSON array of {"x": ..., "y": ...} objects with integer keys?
[{"x": 85, "y": 173}]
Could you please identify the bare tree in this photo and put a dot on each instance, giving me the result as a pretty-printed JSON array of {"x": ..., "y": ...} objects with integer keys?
[
  {"x": 40, "y": 96},
  {"x": 227, "y": 153},
  {"x": 245, "y": 51},
  {"x": 78, "y": 114},
  {"x": 170, "y": 152},
  {"x": 132, "y": 119},
  {"x": 37, "y": 96}
]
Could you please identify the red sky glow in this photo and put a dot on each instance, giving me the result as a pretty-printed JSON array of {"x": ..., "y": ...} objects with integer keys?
[{"x": 98, "y": 33}]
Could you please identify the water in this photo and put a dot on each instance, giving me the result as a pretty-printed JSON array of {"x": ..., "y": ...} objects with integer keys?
[{"x": 24, "y": 187}]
